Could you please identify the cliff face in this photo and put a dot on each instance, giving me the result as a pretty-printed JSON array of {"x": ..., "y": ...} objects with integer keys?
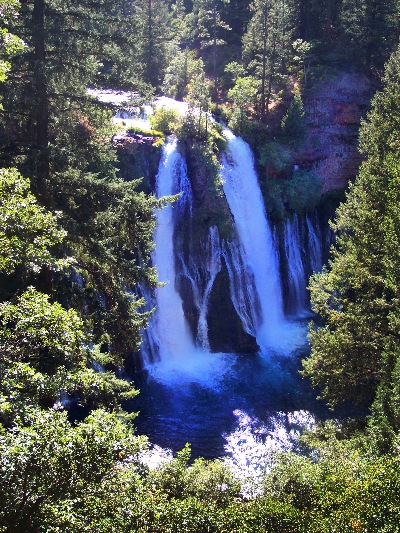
[
  {"x": 333, "y": 114},
  {"x": 204, "y": 224},
  {"x": 137, "y": 158}
]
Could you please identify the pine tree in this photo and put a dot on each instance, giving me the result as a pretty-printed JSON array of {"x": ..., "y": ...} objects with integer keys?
[
  {"x": 370, "y": 29},
  {"x": 210, "y": 29},
  {"x": 153, "y": 20},
  {"x": 266, "y": 44},
  {"x": 68, "y": 156},
  {"x": 357, "y": 296}
]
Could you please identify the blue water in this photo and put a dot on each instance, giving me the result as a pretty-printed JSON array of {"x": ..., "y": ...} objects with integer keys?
[{"x": 173, "y": 412}]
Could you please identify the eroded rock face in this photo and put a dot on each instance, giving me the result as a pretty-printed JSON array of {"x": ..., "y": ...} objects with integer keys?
[
  {"x": 333, "y": 114},
  {"x": 137, "y": 158},
  {"x": 225, "y": 331}
]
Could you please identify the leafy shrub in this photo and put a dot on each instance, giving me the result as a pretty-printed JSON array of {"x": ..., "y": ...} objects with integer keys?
[
  {"x": 143, "y": 131},
  {"x": 302, "y": 191},
  {"x": 277, "y": 158},
  {"x": 298, "y": 194},
  {"x": 293, "y": 123},
  {"x": 211, "y": 481},
  {"x": 165, "y": 120},
  {"x": 215, "y": 138}
]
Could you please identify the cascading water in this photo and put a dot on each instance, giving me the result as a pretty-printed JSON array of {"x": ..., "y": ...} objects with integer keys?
[
  {"x": 242, "y": 287},
  {"x": 171, "y": 329},
  {"x": 297, "y": 275},
  {"x": 188, "y": 394},
  {"x": 314, "y": 246},
  {"x": 179, "y": 357},
  {"x": 247, "y": 207},
  {"x": 201, "y": 277},
  {"x": 303, "y": 252}
]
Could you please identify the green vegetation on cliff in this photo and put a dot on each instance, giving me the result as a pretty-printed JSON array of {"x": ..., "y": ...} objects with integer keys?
[{"x": 355, "y": 353}]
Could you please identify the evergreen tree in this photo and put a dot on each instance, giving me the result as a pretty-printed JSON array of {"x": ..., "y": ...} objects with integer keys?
[
  {"x": 181, "y": 71},
  {"x": 153, "y": 21},
  {"x": 371, "y": 30},
  {"x": 358, "y": 294},
  {"x": 293, "y": 123},
  {"x": 210, "y": 29},
  {"x": 67, "y": 154},
  {"x": 266, "y": 44}
]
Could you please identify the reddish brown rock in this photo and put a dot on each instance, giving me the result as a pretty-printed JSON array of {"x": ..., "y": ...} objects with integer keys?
[{"x": 333, "y": 113}]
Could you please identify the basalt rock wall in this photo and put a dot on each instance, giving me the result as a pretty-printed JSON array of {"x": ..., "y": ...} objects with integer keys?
[{"x": 334, "y": 110}]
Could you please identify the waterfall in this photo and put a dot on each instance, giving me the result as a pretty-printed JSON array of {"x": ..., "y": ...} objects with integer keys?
[
  {"x": 303, "y": 248},
  {"x": 180, "y": 361},
  {"x": 314, "y": 246},
  {"x": 201, "y": 273},
  {"x": 247, "y": 207},
  {"x": 171, "y": 329},
  {"x": 242, "y": 287},
  {"x": 296, "y": 268},
  {"x": 149, "y": 349}
]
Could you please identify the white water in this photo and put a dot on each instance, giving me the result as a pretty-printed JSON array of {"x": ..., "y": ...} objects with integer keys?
[
  {"x": 246, "y": 203},
  {"x": 242, "y": 288},
  {"x": 297, "y": 278},
  {"x": 202, "y": 277},
  {"x": 180, "y": 359},
  {"x": 314, "y": 246},
  {"x": 171, "y": 327}
]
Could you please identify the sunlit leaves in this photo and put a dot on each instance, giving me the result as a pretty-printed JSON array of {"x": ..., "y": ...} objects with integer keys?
[
  {"x": 357, "y": 296},
  {"x": 27, "y": 231}
]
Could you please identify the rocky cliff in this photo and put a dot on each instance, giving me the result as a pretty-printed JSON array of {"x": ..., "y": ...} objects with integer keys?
[
  {"x": 204, "y": 226},
  {"x": 334, "y": 110}
]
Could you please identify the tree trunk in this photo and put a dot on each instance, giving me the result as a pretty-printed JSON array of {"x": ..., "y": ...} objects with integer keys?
[
  {"x": 215, "y": 52},
  {"x": 41, "y": 96},
  {"x": 263, "y": 77},
  {"x": 271, "y": 76}
]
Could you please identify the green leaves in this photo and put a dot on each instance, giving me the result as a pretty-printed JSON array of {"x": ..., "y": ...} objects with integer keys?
[
  {"x": 45, "y": 335},
  {"x": 357, "y": 296},
  {"x": 52, "y": 471},
  {"x": 9, "y": 44},
  {"x": 27, "y": 231},
  {"x": 43, "y": 357},
  {"x": 293, "y": 123}
]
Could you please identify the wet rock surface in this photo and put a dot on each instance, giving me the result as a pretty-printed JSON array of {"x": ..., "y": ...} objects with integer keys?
[{"x": 225, "y": 330}]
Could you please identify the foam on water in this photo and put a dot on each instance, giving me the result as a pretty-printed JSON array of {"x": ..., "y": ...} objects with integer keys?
[
  {"x": 155, "y": 457},
  {"x": 196, "y": 367}
]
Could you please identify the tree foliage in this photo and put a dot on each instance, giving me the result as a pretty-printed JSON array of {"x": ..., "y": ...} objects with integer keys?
[
  {"x": 181, "y": 72},
  {"x": 27, "y": 231},
  {"x": 68, "y": 155},
  {"x": 75, "y": 242},
  {"x": 266, "y": 44},
  {"x": 355, "y": 349}
]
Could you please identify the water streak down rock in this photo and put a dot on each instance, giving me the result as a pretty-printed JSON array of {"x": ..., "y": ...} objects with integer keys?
[{"x": 246, "y": 204}]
